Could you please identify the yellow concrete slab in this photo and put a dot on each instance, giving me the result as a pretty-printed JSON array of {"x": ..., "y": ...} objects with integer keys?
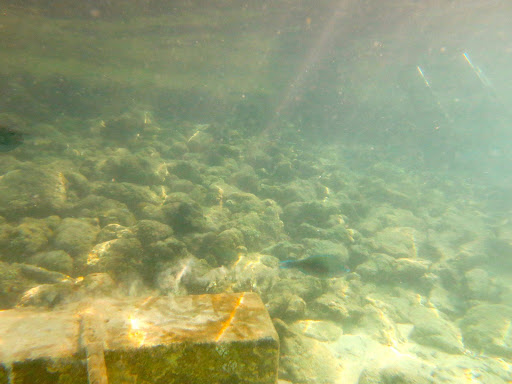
[{"x": 225, "y": 338}]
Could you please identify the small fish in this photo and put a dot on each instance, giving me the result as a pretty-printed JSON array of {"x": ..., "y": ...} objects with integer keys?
[
  {"x": 10, "y": 138},
  {"x": 318, "y": 265}
]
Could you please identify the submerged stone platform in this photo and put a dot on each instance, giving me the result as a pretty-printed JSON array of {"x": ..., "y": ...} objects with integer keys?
[{"x": 224, "y": 338}]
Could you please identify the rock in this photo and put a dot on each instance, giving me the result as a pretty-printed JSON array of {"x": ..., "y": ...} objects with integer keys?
[
  {"x": 150, "y": 231},
  {"x": 227, "y": 245},
  {"x": 187, "y": 170},
  {"x": 377, "y": 268},
  {"x": 314, "y": 213},
  {"x": 438, "y": 333},
  {"x": 130, "y": 194},
  {"x": 285, "y": 250},
  {"x": 32, "y": 191},
  {"x": 191, "y": 276},
  {"x": 97, "y": 284},
  {"x": 183, "y": 214},
  {"x": 318, "y": 329},
  {"x": 122, "y": 165},
  {"x": 486, "y": 329},
  {"x": 29, "y": 237},
  {"x": 327, "y": 247},
  {"x": 294, "y": 192},
  {"x": 379, "y": 320},
  {"x": 41, "y": 275},
  {"x": 119, "y": 258},
  {"x": 123, "y": 128},
  {"x": 306, "y": 287},
  {"x": 400, "y": 371},
  {"x": 284, "y": 171},
  {"x": 171, "y": 279},
  {"x": 78, "y": 185},
  {"x": 386, "y": 193},
  {"x": 240, "y": 202},
  {"x": 479, "y": 286},
  {"x": 410, "y": 270},
  {"x": 201, "y": 140},
  {"x": 76, "y": 236},
  {"x": 260, "y": 228},
  {"x": 114, "y": 231},
  {"x": 255, "y": 272},
  {"x": 59, "y": 261},
  {"x": 329, "y": 307},
  {"x": 397, "y": 242},
  {"x": 247, "y": 180},
  {"x": 166, "y": 250},
  {"x": 12, "y": 284},
  {"x": 287, "y": 307},
  {"x": 445, "y": 301},
  {"x": 119, "y": 216},
  {"x": 206, "y": 281},
  {"x": 306, "y": 360}
]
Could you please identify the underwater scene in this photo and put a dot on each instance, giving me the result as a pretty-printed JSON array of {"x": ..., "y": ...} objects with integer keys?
[{"x": 256, "y": 191}]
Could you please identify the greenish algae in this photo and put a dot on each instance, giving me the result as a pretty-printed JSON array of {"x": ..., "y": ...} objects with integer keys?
[
  {"x": 223, "y": 363},
  {"x": 50, "y": 371}
]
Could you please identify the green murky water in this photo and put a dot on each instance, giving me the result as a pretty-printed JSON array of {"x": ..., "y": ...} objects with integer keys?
[{"x": 192, "y": 147}]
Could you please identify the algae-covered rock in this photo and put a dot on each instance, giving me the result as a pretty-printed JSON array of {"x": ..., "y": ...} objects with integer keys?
[
  {"x": 296, "y": 191},
  {"x": 59, "y": 261},
  {"x": 46, "y": 295},
  {"x": 395, "y": 242},
  {"x": 78, "y": 185},
  {"x": 486, "y": 329},
  {"x": 329, "y": 307},
  {"x": 168, "y": 249},
  {"x": 287, "y": 307},
  {"x": 403, "y": 371},
  {"x": 262, "y": 227},
  {"x": 327, "y": 247},
  {"x": 32, "y": 191},
  {"x": 315, "y": 213},
  {"x": 285, "y": 250},
  {"x": 108, "y": 211},
  {"x": 395, "y": 195},
  {"x": 478, "y": 285},
  {"x": 241, "y": 202},
  {"x": 283, "y": 171},
  {"x": 114, "y": 231},
  {"x": 247, "y": 180},
  {"x": 149, "y": 231},
  {"x": 445, "y": 301},
  {"x": 187, "y": 170},
  {"x": 120, "y": 216},
  {"x": 191, "y": 275},
  {"x": 410, "y": 270},
  {"x": 29, "y": 237},
  {"x": 320, "y": 330},
  {"x": 76, "y": 236},
  {"x": 183, "y": 214},
  {"x": 255, "y": 272},
  {"x": 377, "y": 268},
  {"x": 307, "y": 360},
  {"x": 12, "y": 284},
  {"x": 306, "y": 287},
  {"x": 124, "y": 127},
  {"x": 119, "y": 258},
  {"x": 159, "y": 254},
  {"x": 129, "y": 193},
  {"x": 437, "y": 333},
  {"x": 226, "y": 245}
]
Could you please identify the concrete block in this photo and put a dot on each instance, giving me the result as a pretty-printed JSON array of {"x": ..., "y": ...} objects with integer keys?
[{"x": 224, "y": 338}]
